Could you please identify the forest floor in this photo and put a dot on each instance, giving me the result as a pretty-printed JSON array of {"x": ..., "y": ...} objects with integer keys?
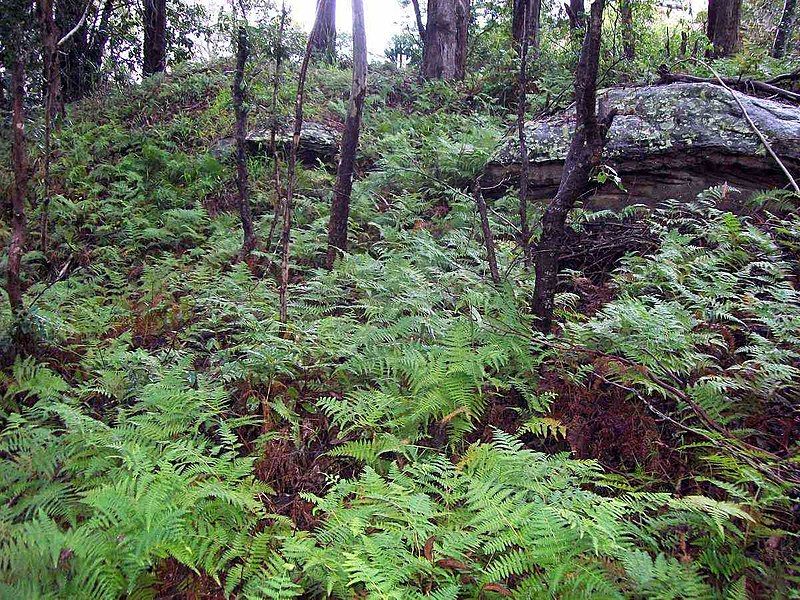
[{"x": 413, "y": 436}]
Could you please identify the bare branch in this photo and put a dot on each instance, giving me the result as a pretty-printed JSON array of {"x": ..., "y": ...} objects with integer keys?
[{"x": 77, "y": 27}]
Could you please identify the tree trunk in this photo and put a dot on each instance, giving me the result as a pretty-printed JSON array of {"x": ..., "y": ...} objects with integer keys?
[
  {"x": 722, "y": 29},
  {"x": 518, "y": 23},
  {"x": 463, "y": 16},
  {"x": 522, "y": 109},
  {"x": 628, "y": 40},
  {"x": 418, "y": 16},
  {"x": 441, "y": 57},
  {"x": 784, "y": 31},
  {"x": 582, "y": 157},
  {"x": 19, "y": 192},
  {"x": 291, "y": 182},
  {"x": 73, "y": 53},
  {"x": 155, "y": 37},
  {"x": 488, "y": 238},
  {"x": 576, "y": 14},
  {"x": 97, "y": 47},
  {"x": 242, "y": 183},
  {"x": 323, "y": 35},
  {"x": 52, "y": 81},
  {"x": 273, "y": 129},
  {"x": 340, "y": 207}
]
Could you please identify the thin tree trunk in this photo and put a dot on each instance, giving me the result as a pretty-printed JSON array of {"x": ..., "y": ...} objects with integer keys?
[
  {"x": 488, "y": 238},
  {"x": 273, "y": 129},
  {"x": 784, "y": 32},
  {"x": 522, "y": 109},
  {"x": 97, "y": 47},
  {"x": 418, "y": 15},
  {"x": 724, "y": 19},
  {"x": 242, "y": 180},
  {"x": 439, "y": 54},
  {"x": 628, "y": 40},
  {"x": 340, "y": 207},
  {"x": 291, "y": 182},
  {"x": 463, "y": 16},
  {"x": 20, "y": 189},
  {"x": 576, "y": 14},
  {"x": 519, "y": 24},
  {"x": 582, "y": 157},
  {"x": 52, "y": 76},
  {"x": 323, "y": 35},
  {"x": 155, "y": 37}
]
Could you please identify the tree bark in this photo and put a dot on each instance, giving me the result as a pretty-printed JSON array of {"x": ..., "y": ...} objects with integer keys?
[
  {"x": 576, "y": 14},
  {"x": 522, "y": 109},
  {"x": 52, "y": 80},
  {"x": 242, "y": 180},
  {"x": 444, "y": 52},
  {"x": 519, "y": 24},
  {"x": 628, "y": 39},
  {"x": 273, "y": 129},
  {"x": 463, "y": 16},
  {"x": 488, "y": 238},
  {"x": 20, "y": 188},
  {"x": 323, "y": 35},
  {"x": 340, "y": 207},
  {"x": 784, "y": 32},
  {"x": 722, "y": 28},
  {"x": 418, "y": 15},
  {"x": 291, "y": 182},
  {"x": 155, "y": 37},
  {"x": 582, "y": 157}
]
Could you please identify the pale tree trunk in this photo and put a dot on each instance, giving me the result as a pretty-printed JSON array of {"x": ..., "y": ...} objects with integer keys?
[
  {"x": 340, "y": 207},
  {"x": 240, "y": 112},
  {"x": 52, "y": 77},
  {"x": 582, "y": 158},
  {"x": 323, "y": 35},
  {"x": 273, "y": 129},
  {"x": 520, "y": 24},
  {"x": 444, "y": 53},
  {"x": 784, "y": 32},
  {"x": 722, "y": 29},
  {"x": 626, "y": 19},
  {"x": 291, "y": 182},
  {"x": 19, "y": 192},
  {"x": 155, "y": 37}
]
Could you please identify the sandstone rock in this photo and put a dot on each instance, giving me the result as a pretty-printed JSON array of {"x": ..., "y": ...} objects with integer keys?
[
  {"x": 669, "y": 141},
  {"x": 318, "y": 142}
]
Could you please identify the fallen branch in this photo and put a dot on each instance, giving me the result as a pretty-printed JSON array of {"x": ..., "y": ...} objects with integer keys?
[
  {"x": 793, "y": 76},
  {"x": 745, "y": 85},
  {"x": 754, "y": 128}
]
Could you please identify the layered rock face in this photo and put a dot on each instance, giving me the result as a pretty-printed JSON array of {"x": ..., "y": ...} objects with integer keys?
[{"x": 668, "y": 141}]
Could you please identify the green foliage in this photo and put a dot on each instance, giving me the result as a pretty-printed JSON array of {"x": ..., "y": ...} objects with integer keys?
[{"x": 164, "y": 401}]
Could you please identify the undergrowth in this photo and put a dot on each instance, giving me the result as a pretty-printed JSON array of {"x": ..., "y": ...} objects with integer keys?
[{"x": 452, "y": 462}]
